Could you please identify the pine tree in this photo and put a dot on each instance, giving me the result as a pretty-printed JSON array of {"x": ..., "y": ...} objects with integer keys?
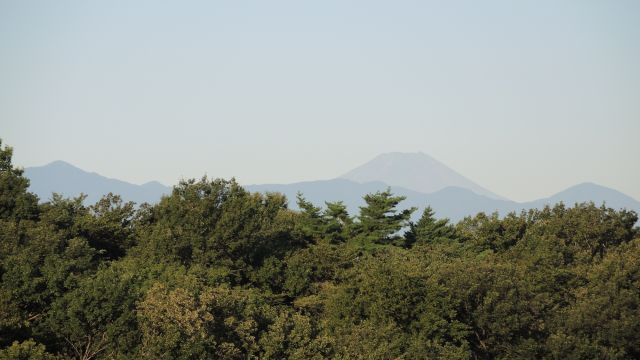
[
  {"x": 15, "y": 201},
  {"x": 380, "y": 220},
  {"x": 311, "y": 221},
  {"x": 338, "y": 222},
  {"x": 430, "y": 230}
]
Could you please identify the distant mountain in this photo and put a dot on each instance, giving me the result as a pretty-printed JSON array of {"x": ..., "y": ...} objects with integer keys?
[
  {"x": 589, "y": 192},
  {"x": 416, "y": 171},
  {"x": 452, "y": 202},
  {"x": 70, "y": 181}
]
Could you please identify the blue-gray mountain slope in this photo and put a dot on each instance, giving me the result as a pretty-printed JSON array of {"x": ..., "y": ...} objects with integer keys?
[
  {"x": 450, "y": 202},
  {"x": 70, "y": 181},
  {"x": 454, "y": 203},
  {"x": 415, "y": 171}
]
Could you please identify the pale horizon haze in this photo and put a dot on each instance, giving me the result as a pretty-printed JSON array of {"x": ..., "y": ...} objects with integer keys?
[{"x": 525, "y": 98}]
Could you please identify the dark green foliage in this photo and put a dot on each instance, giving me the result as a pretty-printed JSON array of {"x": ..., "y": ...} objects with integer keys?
[
  {"x": 26, "y": 350},
  {"x": 430, "y": 230},
  {"x": 218, "y": 223},
  {"x": 214, "y": 271},
  {"x": 307, "y": 269},
  {"x": 604, "y": 319},
  {"x": 333, "y": 225},
  {"x": 311, "y": 223},
  {"x": 15, "y": 202},
  {"x": 394, "y": 289},
  {"x": 380, "y": 220},
  {"x": 338, "y": 222}
]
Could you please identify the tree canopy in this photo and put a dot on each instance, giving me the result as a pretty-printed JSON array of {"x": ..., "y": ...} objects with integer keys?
[{"x": 214, "y": 271}]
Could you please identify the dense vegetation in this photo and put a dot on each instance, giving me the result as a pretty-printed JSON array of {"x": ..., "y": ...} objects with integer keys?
[{"x": 213, "y": 271}]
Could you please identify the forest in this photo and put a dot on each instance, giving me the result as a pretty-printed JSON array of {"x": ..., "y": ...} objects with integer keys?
[{"x": 213, "y": 271}]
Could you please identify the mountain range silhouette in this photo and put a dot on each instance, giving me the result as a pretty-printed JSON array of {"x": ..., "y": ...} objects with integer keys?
[{"x": 422, "y": 179}]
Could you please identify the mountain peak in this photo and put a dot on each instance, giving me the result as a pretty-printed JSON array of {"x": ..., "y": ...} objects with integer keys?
[
  {"x": 399, "y": 156},
  {"x": 588, "y": 191},
  {"x": 415, "y": 171},
  {"x": 64, "y": 178},
  {"x": 154, "y": 184},
  {"x": 60, "y": 164},
  {"x": 587, "y": 184}
]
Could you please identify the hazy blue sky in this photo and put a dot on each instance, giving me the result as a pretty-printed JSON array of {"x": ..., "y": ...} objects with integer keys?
[{"x": 524, "y": 97}]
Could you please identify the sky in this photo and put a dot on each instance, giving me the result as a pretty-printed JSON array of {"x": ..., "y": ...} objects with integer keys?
[{"x": 526, "y": 98}]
